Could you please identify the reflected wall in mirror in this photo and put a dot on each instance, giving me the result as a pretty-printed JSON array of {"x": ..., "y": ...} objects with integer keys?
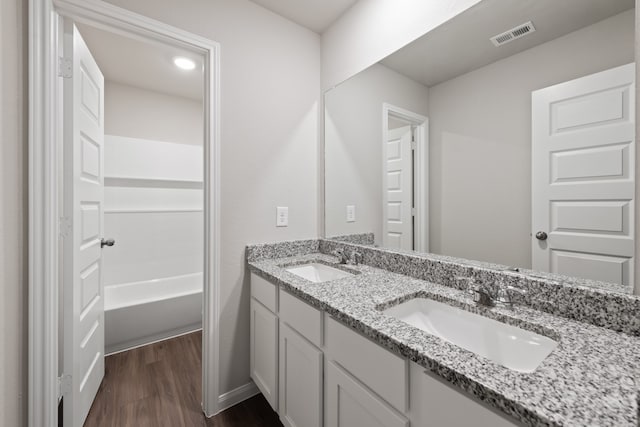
[{"x": 519, "y": 153}]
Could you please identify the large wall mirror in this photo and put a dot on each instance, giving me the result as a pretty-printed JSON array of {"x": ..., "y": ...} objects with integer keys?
[{"x": 506, "y": 135}]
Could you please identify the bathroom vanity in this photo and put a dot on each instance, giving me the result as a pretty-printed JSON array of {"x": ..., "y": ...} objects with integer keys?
[{"x": 330, "y": 351}]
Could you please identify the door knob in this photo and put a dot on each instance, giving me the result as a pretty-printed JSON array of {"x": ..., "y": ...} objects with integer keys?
[
  {"x": 541, "y": 235},
  {"x": 107, "y": 242}
]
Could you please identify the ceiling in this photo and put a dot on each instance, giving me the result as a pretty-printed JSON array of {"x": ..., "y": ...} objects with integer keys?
[
  {"x": 143, "y": 64},
  {"x": 462, "y": 44},
  {"x": 317, "y": 15}
]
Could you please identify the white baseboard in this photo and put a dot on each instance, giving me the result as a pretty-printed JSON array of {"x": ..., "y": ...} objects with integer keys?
[{"x": 237, "y": 395}]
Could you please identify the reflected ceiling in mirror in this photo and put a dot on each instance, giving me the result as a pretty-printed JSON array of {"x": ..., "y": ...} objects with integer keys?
[{"x": 456, "y": 146}]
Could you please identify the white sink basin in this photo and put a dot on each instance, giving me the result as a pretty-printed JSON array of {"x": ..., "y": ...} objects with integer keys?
[
  {"x": 317, "y": 273},
  {"x": 510, "y": 346}
]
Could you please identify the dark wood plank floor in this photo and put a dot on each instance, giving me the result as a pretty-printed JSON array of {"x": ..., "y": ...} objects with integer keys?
[{"x": 160, "y": 385}]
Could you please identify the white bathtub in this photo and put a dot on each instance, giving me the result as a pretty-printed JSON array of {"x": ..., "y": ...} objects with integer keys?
[{"x": 140, "y": 313}]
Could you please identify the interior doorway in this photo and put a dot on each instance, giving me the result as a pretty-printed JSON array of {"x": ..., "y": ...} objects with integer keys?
[
  {"x": 48, "y": 122},
  {"x": 405, "y": 179},
  {"x": 132, "y": 195}
]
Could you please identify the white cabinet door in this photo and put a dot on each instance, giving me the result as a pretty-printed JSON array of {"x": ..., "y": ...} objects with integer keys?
[
  {"x": 351, "y": 404},
  {"x": 436, "y": 403},
  {"x": 300, "y": 380},
  {"x": 264, "y": 351},
  {"x": 583, "y": 147}
]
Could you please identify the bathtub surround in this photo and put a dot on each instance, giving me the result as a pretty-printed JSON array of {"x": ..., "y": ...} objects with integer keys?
[
  {"x": 153, "y": 208},
  {"x": 599, "y": 388},
  {"x": 135, "y": 313}
]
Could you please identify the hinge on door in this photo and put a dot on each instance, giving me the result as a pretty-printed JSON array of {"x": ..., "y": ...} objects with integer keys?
[
  {"x": 413, "y": 211},
  {"x": 413, "y": 143},
  {"x": 65, "y": 67},
  {"x": 64, "y": 225},
  {"x": 64, "y": 385}
]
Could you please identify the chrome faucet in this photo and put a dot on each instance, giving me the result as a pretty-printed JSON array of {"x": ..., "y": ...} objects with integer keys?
[
  {"x": 483, "y": 294},
  {"x": 356, "y": 258},
  {"x": 341, "y": 255},
  {"x": 490, "y": 295},
  {"x": 505, "y": 295}
]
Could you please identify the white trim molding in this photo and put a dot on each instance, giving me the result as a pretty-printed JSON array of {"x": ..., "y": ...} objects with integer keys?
[
  {"x": 420, "y": 168},
  {"x": 43, "y": 211},
  {"x": 237, "y": 395},
  {"x": 44, "y": 188}
]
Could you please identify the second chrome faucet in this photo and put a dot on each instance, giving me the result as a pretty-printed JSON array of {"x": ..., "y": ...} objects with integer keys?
[
  {"x": 490, "y": 294},
  {"x": 355, "y": 258}
]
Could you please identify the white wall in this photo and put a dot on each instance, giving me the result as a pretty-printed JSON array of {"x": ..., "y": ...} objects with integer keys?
[
  {"x": 270, "y": 82},
  {"x": 481, "y": 141},
  {"x": 140, "y": 113},
  {"x": 372, "y": 29},
  {"x": 13, "y": 213},
  {"x": 353, "y": 145}
]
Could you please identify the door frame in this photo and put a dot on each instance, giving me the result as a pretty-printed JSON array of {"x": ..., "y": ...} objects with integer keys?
[
  {"x": 45, "y": 184},
  {"x": 420, "y": 172}
]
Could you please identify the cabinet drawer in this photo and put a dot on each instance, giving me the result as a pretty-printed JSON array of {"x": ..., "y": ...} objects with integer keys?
[
  {"x": 351, "y": 404},
  {"x": 379, "y": 369},
  {"x": 435, "y": 402},
  {"x": 265, "y": 292},
  {"x": 301, "y": 317}
]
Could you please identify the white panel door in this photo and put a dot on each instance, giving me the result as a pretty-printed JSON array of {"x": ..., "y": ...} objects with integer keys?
[
  {"x": 300, "y": 380},
  {"x": 398, "y": 189},
  {"x": 351, "y": 404},
  {"x": 83, "y": 206},
  {"x": 583, "y": 169}
]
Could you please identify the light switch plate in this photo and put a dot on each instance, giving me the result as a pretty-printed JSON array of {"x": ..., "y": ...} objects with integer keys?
[
  {"x": 282, "y": 216},
  {"x": 351, "y": 213}
]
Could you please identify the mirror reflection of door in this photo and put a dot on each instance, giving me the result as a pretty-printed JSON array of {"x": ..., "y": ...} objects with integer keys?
[
  {"x": 398, "y": 176},
  {"x": 583, "y": 184}
]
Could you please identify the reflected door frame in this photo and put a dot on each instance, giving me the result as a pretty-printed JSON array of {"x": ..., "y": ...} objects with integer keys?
[
  {"x": 45, "y": 224},
  {"x": 420, "y": 125}
]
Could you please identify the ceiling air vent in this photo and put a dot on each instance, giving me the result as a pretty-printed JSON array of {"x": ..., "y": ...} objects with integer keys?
[{"x": 512, "y": 34}]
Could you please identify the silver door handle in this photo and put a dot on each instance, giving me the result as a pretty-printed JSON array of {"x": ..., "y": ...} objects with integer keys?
[
  {"x": 107, "y": 242},
  {"x": 541, "y": 235}
]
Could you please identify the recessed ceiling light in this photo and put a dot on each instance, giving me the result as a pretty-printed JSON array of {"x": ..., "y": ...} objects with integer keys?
[{"x": 184, "y": 63}]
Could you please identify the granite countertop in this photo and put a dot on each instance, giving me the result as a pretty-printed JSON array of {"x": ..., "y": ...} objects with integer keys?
[{"x": 591, "y": 378}]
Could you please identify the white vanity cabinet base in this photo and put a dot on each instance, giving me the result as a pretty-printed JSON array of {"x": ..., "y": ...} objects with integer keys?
[
  {"x": 436, "y": 403},
  {"x": 264, "y": 351},
  {"x": 301, "y": 366},
  {"x": 350, "y": 404}
]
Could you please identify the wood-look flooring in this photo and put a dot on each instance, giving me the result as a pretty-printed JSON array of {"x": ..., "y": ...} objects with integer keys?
[{"x": 160, "y": 385}]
